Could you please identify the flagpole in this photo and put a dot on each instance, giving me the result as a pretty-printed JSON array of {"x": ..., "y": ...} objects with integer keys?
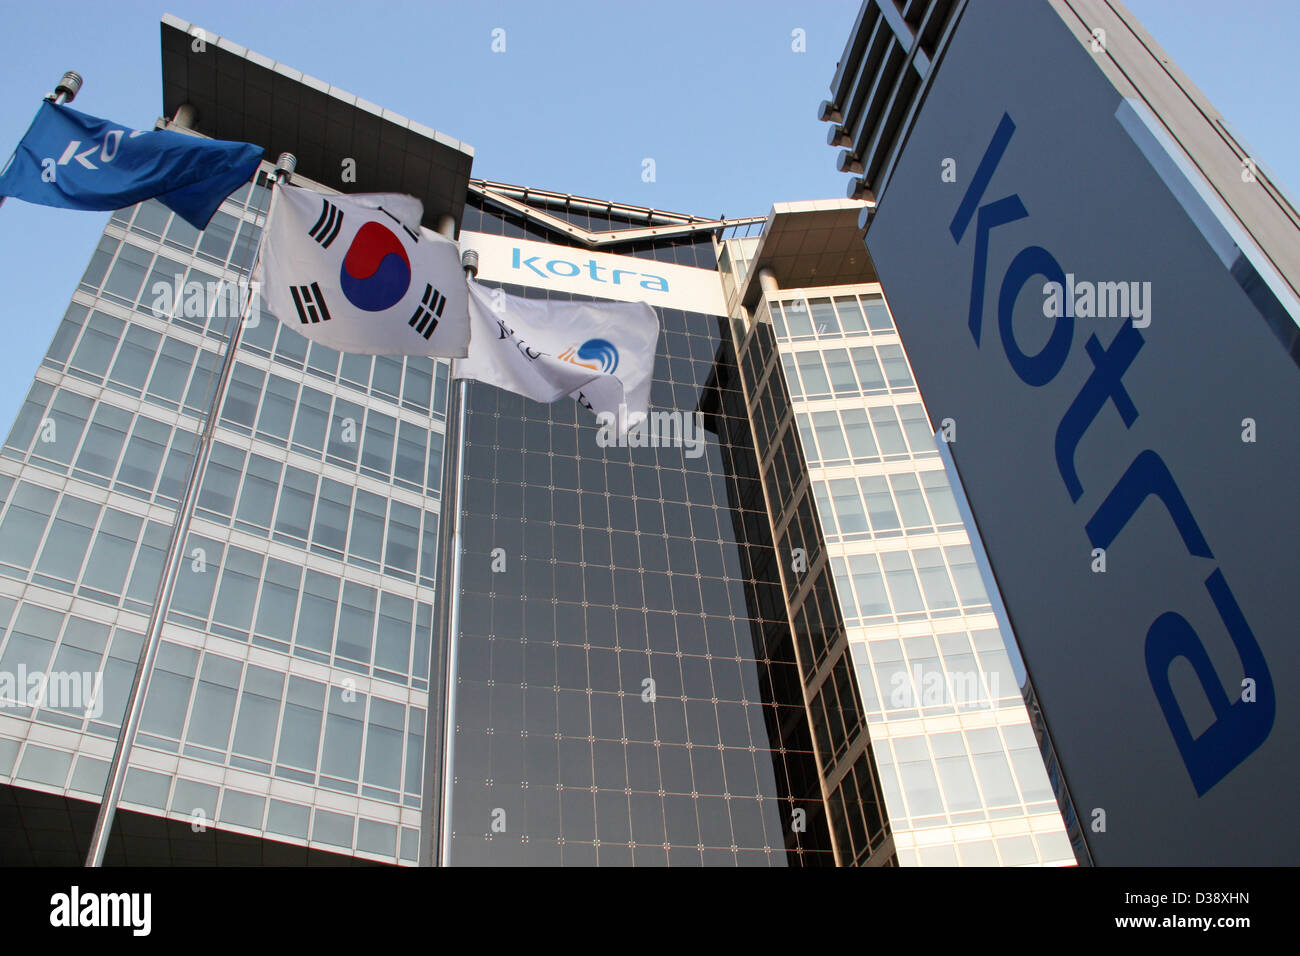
[
  {"x": 452, "y": 487},
  {"x": 284, "y": 168},
  {"x": 65, "y": 92}
]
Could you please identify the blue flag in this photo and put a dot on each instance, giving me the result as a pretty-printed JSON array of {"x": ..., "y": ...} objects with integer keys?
[{"x": 76, "y": 161}]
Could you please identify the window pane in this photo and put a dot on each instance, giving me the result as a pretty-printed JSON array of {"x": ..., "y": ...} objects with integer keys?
[
  {"x": 242, "y": 396},
  {"x": 135, "y": 358},
  {"x": 172, "y": 372},
  {"x": 160, "y": 292},
  {"x": 221, "y": 481},
  {"x": 387, "y": 377},
  {"x": 868, "y": 584},
  {"x": 277, "y": 410},
  {"x": 238, "y": 592},
  {"x": 197, "y": 577},
  {"x": 858, "y": 431},
  {"x": 848, "y": 506},
  {"x": 179, "y": 459},
  {"x": 367, "y": 527},
  {"x": 813, "y": 373},
  {"x": 301, "y": 731},
  {"x": 320, "y": 599},
  {"x": 332, "y": 510},
  {"x": 888, "y": 434},
  {"x": 877, "y": 314},
  {"x": 902, "y": 582},
  {"x": 830, "y": 439},
  {"x": 169, "y": 690},
  {"x": 104, "y": 441},
  {"x": 345, "y": 429},
  {"x": 410, "y": 464},
  {"x": 911, "y": 504},
  {"x": 341, "y": 756},
  {"x": 403, "y": 539},
  {"x": 823, "y": 317},
  {"x": 796, "y": 316},
  {"x": 880, "y": 506},
  {"x": 143, "y": 587},
  {"x": 110, "y": 558},
  {"x": 384, "y": 744},
  {"x": 257, "y": 496},
  {"x": 964, "y": 571},
  {"x": 279, "y": 601},
  {"x": 214, "y": 702},
  {"x": 128, "y": 273},
  {"x": 259, "y": 712},
  {"x": 194, "y": 306},
  {"x": 377, "y": 449},
  {"x": 841, "y": 372},
  {"x": 942, "y": 502},
  {"x": 917, "y": 427},
  {"x": 218, "y": 237},
  {"x": 851, "y": 317},
  {"x": 895, "y": 366},
  {"x": 864, "y": 360},
  {"x": 417, "y": 383},
  {"x": 934, "y": 578},
  {"x": 393, "y": 641},
  {"x": 297, "y": 494},
  {"x": 356, "y": 622},
  {"x": 98, "y": 343},
  {"x": 69, "y": 538},
  {"x": 203, "y": 383},
  {"x": 68, "y": 413},
  {"x": 312, "y": 422}
]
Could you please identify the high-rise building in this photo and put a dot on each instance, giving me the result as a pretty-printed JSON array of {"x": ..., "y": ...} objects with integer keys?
[
  {"x": 754, "y": 633},
  {"x": 875, "y": 546}
]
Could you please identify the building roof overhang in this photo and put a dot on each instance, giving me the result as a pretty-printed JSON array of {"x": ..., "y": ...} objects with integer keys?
[
  {"x": 811, "y": 244},
  {"x": 241, "y": 95}
]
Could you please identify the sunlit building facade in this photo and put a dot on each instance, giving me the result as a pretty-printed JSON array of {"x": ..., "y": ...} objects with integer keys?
[{"x": 765, "y": 642}]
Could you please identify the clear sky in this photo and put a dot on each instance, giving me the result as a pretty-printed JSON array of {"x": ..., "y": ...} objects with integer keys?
[{"x": 714, "y": 92}]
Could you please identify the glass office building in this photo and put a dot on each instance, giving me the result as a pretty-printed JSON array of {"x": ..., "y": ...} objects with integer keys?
[
  {"x": 856, "y": 476},
  {"x": 668, "y": 655}
]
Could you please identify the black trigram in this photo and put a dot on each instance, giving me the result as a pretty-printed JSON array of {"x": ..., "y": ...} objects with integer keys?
[
  {"x": 415, "y": 236},
  {"x": 328, "y": 225},
  {"x": 425, "y": 318},
  {"x": 309, "y": 302}
]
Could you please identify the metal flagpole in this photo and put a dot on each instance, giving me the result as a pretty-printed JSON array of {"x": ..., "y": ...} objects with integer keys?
[
  {"x": 451, "y": 506},
  {"x": 65, "y": 92},
  {"x": 284, "y": 168}
]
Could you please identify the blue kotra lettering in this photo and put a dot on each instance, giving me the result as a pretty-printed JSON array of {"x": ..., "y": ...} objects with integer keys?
[{"x": 1239, "y": 727}]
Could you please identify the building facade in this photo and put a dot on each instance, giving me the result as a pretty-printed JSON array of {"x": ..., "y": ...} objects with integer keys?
[
  {"x": 876, "y": 541},
  {"x": 710, "y": 648}
]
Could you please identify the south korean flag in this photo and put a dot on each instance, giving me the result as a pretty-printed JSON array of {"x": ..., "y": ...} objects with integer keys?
[{"x": 359, "y": 274}]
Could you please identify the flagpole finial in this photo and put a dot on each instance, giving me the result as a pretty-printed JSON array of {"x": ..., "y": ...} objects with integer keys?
[
  {"x": 469, "y": 262},
  {"x": 284, "y": 167},
  {"x": 68, "y": 87}
]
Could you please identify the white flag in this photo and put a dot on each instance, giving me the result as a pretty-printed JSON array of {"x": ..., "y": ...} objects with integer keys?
[
  {"x": 601, "y": 354},
  {"x": 359, "y": 274}
]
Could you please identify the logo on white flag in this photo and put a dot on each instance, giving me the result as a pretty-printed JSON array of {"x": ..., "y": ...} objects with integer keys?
[{"x": 596, "y": 354}]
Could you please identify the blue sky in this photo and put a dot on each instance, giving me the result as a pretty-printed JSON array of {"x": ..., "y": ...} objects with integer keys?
[{"x": 582, "y": 94}]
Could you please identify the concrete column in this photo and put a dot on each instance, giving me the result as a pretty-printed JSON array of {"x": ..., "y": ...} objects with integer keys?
[
  {"x": 447, "y": 226},
  {"x": 767, "y": 281}
]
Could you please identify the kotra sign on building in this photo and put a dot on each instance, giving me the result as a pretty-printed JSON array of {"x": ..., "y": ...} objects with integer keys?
[{"x": 1134, "y": 476}]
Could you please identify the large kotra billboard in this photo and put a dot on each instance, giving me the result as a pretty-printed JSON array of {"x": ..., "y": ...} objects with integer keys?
[{"x": 1120, "y": 369}]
